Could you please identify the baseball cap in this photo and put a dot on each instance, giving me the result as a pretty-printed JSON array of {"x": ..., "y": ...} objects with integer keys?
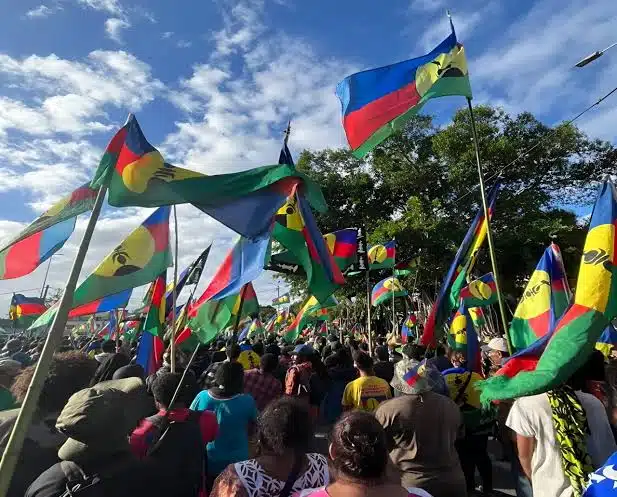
[
  {"x": 303, "y": 350},
  {"x": 499, "y": 344}
]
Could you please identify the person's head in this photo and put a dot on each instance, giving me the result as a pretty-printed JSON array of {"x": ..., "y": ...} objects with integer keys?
[
  {"x": 232, "y": 351},
  {"x": 591, "y": 370},
  {"x": 413, "y": 351},
  {"x": 363, "y": 347},
  {"x": 129, "y": 371},
  {"x": 268, "y": 363},
  {"x": 457, "y": 359},
  {"x": 258, "y": 348},
  {"x": 13, "y": 345},
  {"x": 363, "y": 363},
  {"x": 164, "y": 386},
  {"x": 9, "y": 369},
  {"x": 302, "y": 354},
  {"x": 108, "y": 346},
  {"x": 358, "y": 449},
  {"x": 284, "y": 428},
  {"x": 229, "y": 379},
  {"x": 273, "y": 348},
  {"x": 68, "y": 373},
  {"x": 496, "y": 350},
  {"x": 382, "y": 353},
  {"x": 344, "y": 357},
  {"x": 331, "y": 362}
]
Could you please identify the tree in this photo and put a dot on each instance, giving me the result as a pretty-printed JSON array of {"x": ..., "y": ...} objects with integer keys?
[{"x": 420, "y": 186}]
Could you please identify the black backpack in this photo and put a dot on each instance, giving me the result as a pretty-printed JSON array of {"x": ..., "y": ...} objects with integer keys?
[{"x": 110, "y": 481}]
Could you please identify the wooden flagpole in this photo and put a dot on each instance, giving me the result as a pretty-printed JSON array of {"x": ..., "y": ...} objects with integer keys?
[
  {"x": 489, "y": 234},
  {"x": 54, "y": 338},
  {"x": 174, "y": 296}
]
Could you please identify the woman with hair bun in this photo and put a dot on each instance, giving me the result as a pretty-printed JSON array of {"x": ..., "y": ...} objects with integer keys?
[{"x": 359, "y": 461}]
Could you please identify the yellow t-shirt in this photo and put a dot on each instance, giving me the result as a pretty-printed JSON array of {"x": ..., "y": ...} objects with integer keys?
[{"x": 366, "y": 393}]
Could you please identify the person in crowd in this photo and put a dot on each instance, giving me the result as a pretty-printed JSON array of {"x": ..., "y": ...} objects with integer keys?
[
  {"x": 236, "y": 414},
  {"x": 341, "y": 372},
  {"x": 9, "y": 369},
  {"x": 13, "y": 349},
  {"x": 208, "y": 379},
  {"x": 109, "y": 362},
  {"x": 97, "y": 422},
  {"x": 359, "y": 461},
  {"x": 36, "y": 352},
  {"x": 248, "y": 357},
  {"x": 368, "y": 391},
  {"x": 176, "y": 437},
  {"x": 297, "y": 380},
  {"x": 479, "y": 423},
  {"x": 440, "y": 361},
  {"x": 68, "y": 373},
  {"x": 283, "y": 464},
  {"x": 130, "y": 371},
  {"x": 561, "y": 436},
  {"x": 259, "y": 348},
  {"x": 496, "y": 352},
  {"x": 261, "y": 383},
  {"x": 424, "y": 454},
  {"x": 383, "y": 368},
  {"x": 328, "y": 349}
]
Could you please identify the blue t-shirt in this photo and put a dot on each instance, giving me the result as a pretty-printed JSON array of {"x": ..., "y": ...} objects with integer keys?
[
  {"x": 603, "y": 481},
  {"x": 233, "y": 415}
]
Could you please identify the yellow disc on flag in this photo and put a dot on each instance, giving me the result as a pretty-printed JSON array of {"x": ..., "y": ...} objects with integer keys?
[
  {"x": 480, "y": 290},
  {"x": 377, "y": 254}
]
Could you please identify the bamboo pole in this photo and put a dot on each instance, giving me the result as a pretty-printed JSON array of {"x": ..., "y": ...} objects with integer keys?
[
  {"x": 174, "y": 296},
  {"x": 489, "y": 234},
  {"x": 368, "y": 312},
  {"x": 54, "y": 338},
  {"x": 239, "y": 316}
]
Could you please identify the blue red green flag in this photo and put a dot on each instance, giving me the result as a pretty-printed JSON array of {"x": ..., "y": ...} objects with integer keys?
[
  {"x": 481, "y": 292},
  {"x": 607, "y": 341},
  {"x": 377, "y": 102},
  {"x": 408, "y": 328},
  {"x": 310, "y": 311},
  {"x": 552, "y": 359},
  {"x": 545, "y": 299},
  {"x": 23, "y": 310},
  {"x": 464, "y": 260},
  {"x": 386, "y": 289},
  {"x": 382, "y": 255},
  {"x": 462, "y": 337}
]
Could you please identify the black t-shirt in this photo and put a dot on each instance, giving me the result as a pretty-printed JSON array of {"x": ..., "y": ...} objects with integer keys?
[{"x": 384, "y": 370}]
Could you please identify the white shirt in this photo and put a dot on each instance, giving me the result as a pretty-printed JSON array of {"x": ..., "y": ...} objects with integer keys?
[{"x": 532, "y": 417}]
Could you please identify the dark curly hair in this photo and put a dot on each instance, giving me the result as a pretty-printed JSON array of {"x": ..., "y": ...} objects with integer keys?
[
  {"x": 229, "y": 379},
  {"x": 165, "y": 384},
  {"x": 285, "y": 424},
  {"x": 69, "y": 372},
  {"x": 359, "y": 449}
]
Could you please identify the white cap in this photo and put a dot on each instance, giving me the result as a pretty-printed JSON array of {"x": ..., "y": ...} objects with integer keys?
[{"x": 499, "y": 344}]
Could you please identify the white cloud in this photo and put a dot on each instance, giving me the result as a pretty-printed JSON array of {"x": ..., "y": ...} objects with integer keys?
[
  {"x": 109, "y": 6},
  {"x": 114, "y": 27},
  {"x": 428, "y": 5},
  {"x": 167, "y": 34},
  {"x": 184, "y": 44},
  {"x": 40, "y": 12}
]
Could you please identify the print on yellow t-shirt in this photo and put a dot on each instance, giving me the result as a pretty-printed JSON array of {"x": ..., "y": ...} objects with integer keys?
[{"x": 366, "y": 393}]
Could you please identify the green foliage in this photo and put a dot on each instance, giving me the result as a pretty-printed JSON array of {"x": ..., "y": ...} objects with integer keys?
[{"x": 421, "y": 187}]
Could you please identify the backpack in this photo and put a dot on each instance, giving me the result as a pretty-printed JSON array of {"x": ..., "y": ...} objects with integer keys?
[{"x": 80, "y": 484}]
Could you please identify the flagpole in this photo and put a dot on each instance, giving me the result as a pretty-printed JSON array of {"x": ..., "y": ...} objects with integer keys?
[
  {"x": 174, "y": 295},
  {"x": 368, "y": 312},
  {"x": 238, "y": 317},
  {"x": 45, "y": 278},
  {"x": 54, "y": 337},
  {"x": 489, "y": 234}
]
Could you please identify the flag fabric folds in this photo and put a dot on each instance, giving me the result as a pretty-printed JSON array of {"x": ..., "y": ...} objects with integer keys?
[
  {"x": 481, "y": 292},
  {"x": 545, "y": 299},
  {"x": 151, "y": 346},
  {"x": 23, "y": 310},
  {"x": 244, "y": 263},
  {"x": 607, "y": 341},
  {"x": 408, "y": 328},
  {"x": 283, "y": 299},
  {"x": 150, "y": 353},
  {"x": 386, "y": 289},
  {"x": 553, "y": 358},
  {"x": 407, "y": 267},
  {"x": 139, "y": 259},
  {"x": 295, "y": 229},
  {"x": 244, "y": 201},
  {"x": 477, "y": 316},
  {"x": 462, "y": 337},
  {"x": 269, "y": 326},
  {"x": 311, "y": 310},
  {"x": 382, "y": 256},
  {"x": 464, "y": 260},
  {"x": 190, "y": 276},
  {"x": 377, "y": 102}
]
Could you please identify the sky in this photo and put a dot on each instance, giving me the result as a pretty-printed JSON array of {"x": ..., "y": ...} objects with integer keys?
[{"x": 213, "y": 84}]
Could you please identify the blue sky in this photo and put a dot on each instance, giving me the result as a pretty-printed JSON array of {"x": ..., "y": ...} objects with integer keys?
[{"x": 214, "y": 82}]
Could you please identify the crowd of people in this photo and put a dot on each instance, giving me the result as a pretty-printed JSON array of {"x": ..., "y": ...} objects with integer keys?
[{"x": 402, "y": 421}]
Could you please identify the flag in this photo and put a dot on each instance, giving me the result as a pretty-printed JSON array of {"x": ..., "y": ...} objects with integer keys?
[
  {"x": 311, "y": 309},
  {"x": 151, "y": 346},
  {"x": 408, "y": 328},
  {"x": 244, "y": 201},
  {"x": 342, "y": 244},
  {"x": 140, "y": 258},
  {"x": 207, "y": 318},
  {"x": 295, "y": 229},
  {"x": 45, "y": 235},
  {"x": 382, "y": 256},
  {"x": 545, "y": 299},
  {"x": 464, "y": 260},
  {"x": 412, "y": 376},
  {"x": 112, "y": 325},
  {"x": 477, "y": 316},
  {"x": 462, "y": 337},
  {"x": 150, "y": 352},
  {"x": 190, "y": 276},
  {"x": 23, "y": 310},
  {"x": 481, "y": 292},
  {"x": 553, "y": 358},
  {"x": 254, "y": 327},
  {"x": 386, "y": 289},
  {"x": 270, "y": 324},
  {"x": 244, "y": 263},
  {"x": 607, "y": 341},
  {"x": 283, "y": 299},
  {"x": 377, "y": 102},
  {"x": 406, "y": 268}
]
